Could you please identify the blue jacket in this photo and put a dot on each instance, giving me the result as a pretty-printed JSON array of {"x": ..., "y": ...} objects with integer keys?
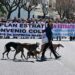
[{"x": 48, "y": 31}]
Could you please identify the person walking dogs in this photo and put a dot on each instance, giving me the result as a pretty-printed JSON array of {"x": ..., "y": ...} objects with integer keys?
[{"x": 48, "y": 31}]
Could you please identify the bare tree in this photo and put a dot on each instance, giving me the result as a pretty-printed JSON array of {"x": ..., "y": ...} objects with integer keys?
[
  {"x": 64, "y": 7},
  {"x": 10, "y": 6},
  {"x": 44, "y": 7},
  {"x": 59, "y": 7},
  {"x": 2, "y": 10},
  {"x": 29, "y": 5},
  {"x": 45, "y": 10}
]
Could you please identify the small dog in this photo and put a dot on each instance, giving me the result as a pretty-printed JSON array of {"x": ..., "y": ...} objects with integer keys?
[
  {"x": 55, "y": 46},
  {"x": 33, "y": 53}
]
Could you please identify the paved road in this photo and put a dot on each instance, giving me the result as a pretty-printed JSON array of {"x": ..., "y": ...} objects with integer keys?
[{"x": 64, "y": 66}]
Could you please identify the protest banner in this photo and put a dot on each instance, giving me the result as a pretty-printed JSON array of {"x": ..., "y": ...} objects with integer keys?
[{"x": 34, "y": 30}]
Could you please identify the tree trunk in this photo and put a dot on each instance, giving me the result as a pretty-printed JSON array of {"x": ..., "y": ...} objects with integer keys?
[
  {"x": 67, "y": 14},
  {"x": 59, "y": 12},
  {"x": 28, "y": 14},
  {"x": 9, "y": 14},
  {"x": 44, "y": 15},
  {"x": 19, "y": 12}
]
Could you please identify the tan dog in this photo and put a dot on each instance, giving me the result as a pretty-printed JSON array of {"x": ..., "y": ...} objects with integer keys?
[{"x": 55, "y": 46}]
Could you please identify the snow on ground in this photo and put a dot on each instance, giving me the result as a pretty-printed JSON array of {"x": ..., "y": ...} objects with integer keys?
[{"x": 63, "y": 66}]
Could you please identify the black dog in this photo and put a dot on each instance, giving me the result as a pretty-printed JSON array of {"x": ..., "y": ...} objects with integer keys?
[{"x": 8, "y": 47}]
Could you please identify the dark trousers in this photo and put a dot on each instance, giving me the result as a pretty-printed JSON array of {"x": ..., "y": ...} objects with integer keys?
[{"x": 50, "y": 45}]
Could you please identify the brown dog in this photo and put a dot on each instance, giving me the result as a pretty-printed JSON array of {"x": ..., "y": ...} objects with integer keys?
[
  {"x": 28, "y": 46},
  {"x": 55, "y": 46},
  {"x": 33, "y": 53}
]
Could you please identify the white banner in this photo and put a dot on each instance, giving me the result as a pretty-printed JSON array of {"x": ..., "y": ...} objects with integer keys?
[
  {"x": 21, "y": 30},
  {"x": 34, "y": 30}
]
